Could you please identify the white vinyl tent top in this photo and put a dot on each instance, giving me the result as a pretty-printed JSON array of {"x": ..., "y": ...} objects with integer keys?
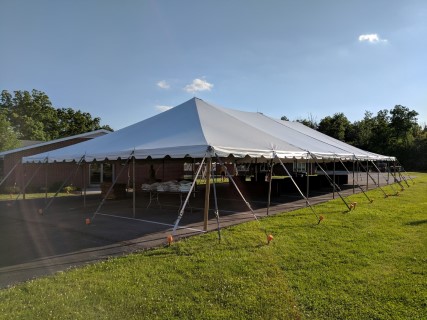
[{"x": 197, "y": 129}]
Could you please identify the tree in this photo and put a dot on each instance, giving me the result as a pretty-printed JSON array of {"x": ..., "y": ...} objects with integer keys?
[
  {"x": 8, "y": 138},
  {"x": 335, "y": 126},
  {"x": 310, "y": 122},
  {"x": 403, "y": 125},
  {"x": 33, "y": 117},
  {"x": 284, "y": 118}
]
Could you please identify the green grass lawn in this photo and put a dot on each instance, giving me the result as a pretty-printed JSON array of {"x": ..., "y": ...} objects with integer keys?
[
  {"x": 8, "y": 197},
  {"x": 370, "y": 263}
]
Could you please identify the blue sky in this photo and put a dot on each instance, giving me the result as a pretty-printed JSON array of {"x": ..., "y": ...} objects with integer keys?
[{"x": 127, "y": 60}]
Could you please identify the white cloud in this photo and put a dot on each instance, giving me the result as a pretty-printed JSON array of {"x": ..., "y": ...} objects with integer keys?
[
  {"x": 163, "y": 108},
  {"x": 163, "y": 84},
  {"x": 371, "y": 38},
  {"x": 198, "y": 85}
]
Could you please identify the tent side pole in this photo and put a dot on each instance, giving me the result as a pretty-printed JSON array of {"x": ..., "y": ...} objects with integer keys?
[
  {"x": 388, "y": 173},
  {"x": 334, "y": 184},
  {"x": 331, "y": 182},
  {"x": 45, "y": 180},
  {"x": 296, "y": 185},
  {"x": 353, "y": 181},
  {"x": 63, "y": 184},
  {"x": 84, "y": 170},
  {"x": 207, "y": 193},
  {"x": 25, "y": 185},
  {"x": 409, "y": 176},
  {"x": 181, "y": 212},
  {"x": 402, "y": 177},
  {"x": 307, "y": 172},
  {"x": 216, "y": 208},
  {"x": 10, "y": 172},
  {"x": 133, "y": 187},
  {"x": 237, "y": 188},
  {"x": 112, "y": 186},
  {"x": 369, "y": 176},
  {"x": 270, "y": 178},
  {"x": 395, "y": 192}
]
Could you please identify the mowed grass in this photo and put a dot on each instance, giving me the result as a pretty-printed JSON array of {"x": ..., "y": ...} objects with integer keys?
[
  {"x": 370, "y": 263},
  {"x": 12, "y": 197}
]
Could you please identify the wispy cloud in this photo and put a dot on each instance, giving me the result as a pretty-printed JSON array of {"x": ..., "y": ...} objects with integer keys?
[
  {"x": 163, "y": 84},
  {"x": 198, "y": 85},
  {"x": 371, "y": 38},
  {"x": 163, "y": 108}
]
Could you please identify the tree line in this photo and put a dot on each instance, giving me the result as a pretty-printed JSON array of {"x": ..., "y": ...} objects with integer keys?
[
  {"x": 394, "y": 132},
  {"x": 28, "y": 115}
]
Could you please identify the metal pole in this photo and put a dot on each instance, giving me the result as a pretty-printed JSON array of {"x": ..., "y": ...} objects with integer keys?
[
  {"x": 181, "y": 212},
  {"x": 84, "y": 168},
  {"x": 307, "y": 172},
  {"x": 367, "y": 175},
  {"x": 45, "y": 181},
  {"x": 207, "y": 193},
  {"x": 333, "y": 192},
  {"x": 270, "y": 178},
  {"x": 353, "y": 178},
  {"x": 133, "y": 186}
]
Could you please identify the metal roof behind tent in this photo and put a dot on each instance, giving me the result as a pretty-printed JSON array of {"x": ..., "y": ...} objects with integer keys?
[{"x": 86, "y": 135}]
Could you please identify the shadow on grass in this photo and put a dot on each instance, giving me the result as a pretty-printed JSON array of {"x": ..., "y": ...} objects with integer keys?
[{"x": 416, "y": 223}]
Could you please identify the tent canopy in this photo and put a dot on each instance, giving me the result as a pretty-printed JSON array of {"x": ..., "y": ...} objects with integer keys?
[{"x": 197, "y": 129}]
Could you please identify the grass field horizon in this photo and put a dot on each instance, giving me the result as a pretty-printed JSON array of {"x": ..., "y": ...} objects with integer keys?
[{"x": 370, "y": 263}]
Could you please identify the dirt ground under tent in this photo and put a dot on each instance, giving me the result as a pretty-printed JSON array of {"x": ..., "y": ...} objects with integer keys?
[{"x": 34, "y": 245}]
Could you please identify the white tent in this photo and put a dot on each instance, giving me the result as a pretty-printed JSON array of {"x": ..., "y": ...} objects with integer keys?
[{"x": 198, "y": 129}]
